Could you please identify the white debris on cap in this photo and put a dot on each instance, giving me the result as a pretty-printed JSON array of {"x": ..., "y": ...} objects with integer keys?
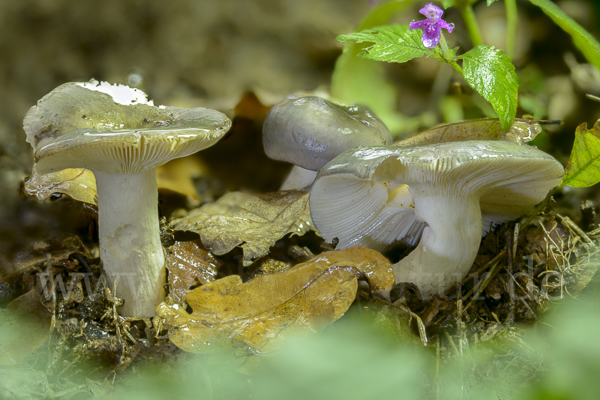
[{"x": 121, "y": 94}]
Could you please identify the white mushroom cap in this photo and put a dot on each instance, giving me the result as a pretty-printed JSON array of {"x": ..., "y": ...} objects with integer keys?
[
  {"x": 85, "y": 125},
  {"x": 309, "y": 131},
  {"x": 445, "y": 195},
  {"x": 122, "y": 138}
]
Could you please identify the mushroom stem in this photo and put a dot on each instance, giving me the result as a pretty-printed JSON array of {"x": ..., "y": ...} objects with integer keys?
[
  {"x": 298, "y": 178},
  {"x": 448, "y": 245},
  {"x": 130, "y": 246}
]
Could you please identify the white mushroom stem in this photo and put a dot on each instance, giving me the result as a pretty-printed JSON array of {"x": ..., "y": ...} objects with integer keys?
[
  {"x": 130, "y": 247},
  {"x": 448, "y": 246},
  {"x": 298, "y": 178}
]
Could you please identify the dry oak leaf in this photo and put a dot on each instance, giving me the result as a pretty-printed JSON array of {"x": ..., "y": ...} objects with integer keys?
[
  {"x": 522, "y": 131},
  {"x": 188, "y": 264},
  {"x": 178, "y": 176},
  {"x": 254, "y": 222},
  {"x": 77, "y": 183},
  {"x": 80, "y": 183},
  {"x": 251, "y": 316}
]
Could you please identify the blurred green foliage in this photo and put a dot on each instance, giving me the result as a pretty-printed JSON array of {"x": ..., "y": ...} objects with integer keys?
[{"x": 354, "y": 359}]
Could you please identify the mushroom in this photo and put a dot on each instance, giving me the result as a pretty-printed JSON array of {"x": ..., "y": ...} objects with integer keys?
[
  {"x": 444, "y": 196},
  {"x": 122, "y": 138},
  {"x": 309, "y": 131}
]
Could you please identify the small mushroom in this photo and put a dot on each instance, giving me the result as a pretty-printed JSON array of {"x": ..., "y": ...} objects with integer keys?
[
  {"x": 122, "y": 138},
  {"x": 309, "y": 131},
  {"x": 443, "y": 195}
]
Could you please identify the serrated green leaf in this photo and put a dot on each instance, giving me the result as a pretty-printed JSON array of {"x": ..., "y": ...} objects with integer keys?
[
  {"x": 391, "y": 43},
  {"x": 585, "y": 42},
  {"x": 583, "y": 168},
  {"x": 491, "y": 73}
]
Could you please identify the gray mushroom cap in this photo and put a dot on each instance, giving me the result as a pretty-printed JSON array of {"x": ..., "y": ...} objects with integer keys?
[
  {"x": 80, "y": 125},
  {"x": 365, "y": 196},
  {"x": 443, "y": 195},
  {"x": 310, "y": 131}
]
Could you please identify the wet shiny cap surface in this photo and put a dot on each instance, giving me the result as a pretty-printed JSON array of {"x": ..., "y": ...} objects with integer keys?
[
  {"x": 362, "y": 197},
  {"x": 113, "y": 128},
  {"x": 310, "y": 131}
]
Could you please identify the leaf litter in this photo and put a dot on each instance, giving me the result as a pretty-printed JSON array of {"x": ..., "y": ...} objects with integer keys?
[
  {"x": 252, "y": 316},
  {"x": 189, "y": 264},
  {"x": 522, "y": 131},
  {"x": 88, "y": 326},
  {"x": 254, "y": 222},
  {"x": 80, "y": 184}
]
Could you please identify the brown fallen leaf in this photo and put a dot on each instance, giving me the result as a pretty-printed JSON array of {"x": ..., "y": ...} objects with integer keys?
[
  {"x": 254, "y": 222},
  {"x": 251, "y": 107},
  {"x": 251, "y": 316},
  {"x": 189, "y": 263},
  {"x": 177, "y": 176},
  {"x": 77, "y": 183},
  {"x": 522, "y": 131},
  {"x": 80, "y": 184},
  {"x": 26, "y": 271}
]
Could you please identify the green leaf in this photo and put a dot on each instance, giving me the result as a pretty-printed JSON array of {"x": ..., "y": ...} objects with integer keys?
[
  {"x": 491, "y": 73},
  {"x": 585, "y": 42},
  {"x": 358, "y": 80},
  {"x": 490, "y": 2},
  {"x": 447, "y": 3},
  {"x": 391, "y": 43},
  {"x": 583, "y": 168}
]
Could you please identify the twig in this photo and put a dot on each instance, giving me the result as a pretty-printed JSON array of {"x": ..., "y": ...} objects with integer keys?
[
  {"x": 511, "y": 300},
  {"x": 592, "y": 97},
  {"x": 589, "y": 244},
  {"x": 452, "y": 343},
  {"x": 490, "y": 264},
  {"x": 515, "y": 240},
  {"x": 484, "y": 268},
  {"x": 482, "y": 286},
  {"x": 437, "y": 368}
]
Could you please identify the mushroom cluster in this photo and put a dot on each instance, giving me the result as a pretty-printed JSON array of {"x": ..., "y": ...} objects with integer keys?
[
  {"x": 442, "y": 196},
  {"x": 309, "y": 131},
  {"x": 119, "y": 135}
]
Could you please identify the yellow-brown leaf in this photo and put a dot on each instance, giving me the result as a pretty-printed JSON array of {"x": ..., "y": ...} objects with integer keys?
[
  {"x": 522, "y": 131},
  {"x": 189, "y": 263},
  {"x": 251, "y": 316}
]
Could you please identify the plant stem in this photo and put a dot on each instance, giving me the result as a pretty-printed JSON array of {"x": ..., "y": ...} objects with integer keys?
[
  {"x": 448, "y": 55},
  {"x": 512, "y": 18},
  {"x": 468, "y": 16},
  {"x": 542, "y": 205}
]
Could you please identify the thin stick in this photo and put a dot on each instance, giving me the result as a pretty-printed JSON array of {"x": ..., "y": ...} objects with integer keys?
[
  {"x": 482, "y": 287},
  {"x": 509, "y": 267},
  {"x": 484, "y": 268},
  {"x": 493, "y": 262},
  {"x": 592, "y": 97},
  {"x": 515, "y": 240}
]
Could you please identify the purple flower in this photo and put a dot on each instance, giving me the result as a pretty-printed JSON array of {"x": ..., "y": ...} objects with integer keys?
[{"x": 432, "y": 26}]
